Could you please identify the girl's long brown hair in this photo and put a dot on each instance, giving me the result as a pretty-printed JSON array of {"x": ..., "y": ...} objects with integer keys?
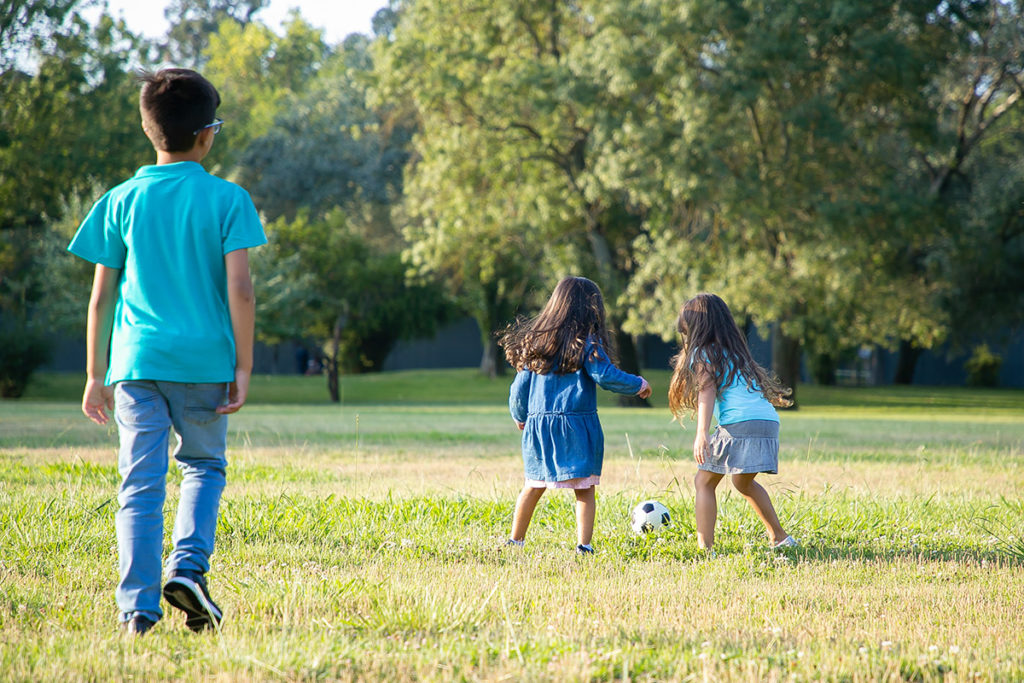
[
  {"x": 713, "y": 346},
  {"x": 554, "y": 340}
]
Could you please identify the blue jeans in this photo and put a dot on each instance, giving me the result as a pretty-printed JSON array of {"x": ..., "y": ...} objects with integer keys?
[{"x": 145, "y": 413}]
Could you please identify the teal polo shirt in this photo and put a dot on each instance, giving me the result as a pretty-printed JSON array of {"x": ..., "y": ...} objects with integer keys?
[{"x": 167, "y": 230}]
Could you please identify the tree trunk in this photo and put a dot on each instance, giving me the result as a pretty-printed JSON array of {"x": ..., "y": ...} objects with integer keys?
[
  {"x": 489, "y": 320},
  {"x": 786, "y": 360},
  {"x": 491, "y": 364},
  {"x": 906, "y": 362},
  {"x": 334, "y": 360}
]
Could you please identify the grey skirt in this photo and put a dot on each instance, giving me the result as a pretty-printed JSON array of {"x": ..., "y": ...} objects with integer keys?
[{"x": 744, "y": 447}]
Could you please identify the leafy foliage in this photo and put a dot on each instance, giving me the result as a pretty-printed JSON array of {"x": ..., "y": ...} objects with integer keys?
[
  {"x": 257, "y": 72},
  {"x": 328, "y": 148},
  {"x": 193, "y": 22},
  {"x": 349, "y": 297}
]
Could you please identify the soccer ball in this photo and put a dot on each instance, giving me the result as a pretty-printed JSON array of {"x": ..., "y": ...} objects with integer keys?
[{"x": 648, "y": 516}]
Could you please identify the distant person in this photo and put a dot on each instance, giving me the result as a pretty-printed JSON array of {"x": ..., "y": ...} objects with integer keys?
[
  {"x": 715, "y": 373},
  {"x": 559, "y": 356},
  {"x": 172, "y": 303}
]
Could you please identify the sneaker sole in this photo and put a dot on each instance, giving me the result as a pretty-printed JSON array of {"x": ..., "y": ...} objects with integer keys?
[{"x": 186, "y": 595}]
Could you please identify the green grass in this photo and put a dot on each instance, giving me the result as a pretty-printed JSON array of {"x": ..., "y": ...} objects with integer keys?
[{"x": 359, "y": 542}]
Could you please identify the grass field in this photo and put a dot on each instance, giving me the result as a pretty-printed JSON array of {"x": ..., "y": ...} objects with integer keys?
[{"x": 360, "y": 542}]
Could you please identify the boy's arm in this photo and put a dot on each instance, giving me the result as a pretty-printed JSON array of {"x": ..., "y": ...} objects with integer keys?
[
  {"x": 705, "y": 407},
  {"x": 242, "y": 306},
  {"x": 98, "y": 398}
]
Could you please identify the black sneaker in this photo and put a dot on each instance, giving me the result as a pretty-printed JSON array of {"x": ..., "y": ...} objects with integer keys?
[
  {"x": 584, "y": 550},
  {"x": 187, "y": 591},
  {"x": 138, "y": 625}
]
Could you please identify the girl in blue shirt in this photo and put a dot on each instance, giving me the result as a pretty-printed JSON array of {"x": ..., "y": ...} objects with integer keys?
[
  {"x": 559, "y": 356},
  {"x": 715, "y": 373}
]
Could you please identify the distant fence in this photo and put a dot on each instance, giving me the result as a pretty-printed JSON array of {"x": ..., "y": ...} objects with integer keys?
[{"x": 458, "y": 345}]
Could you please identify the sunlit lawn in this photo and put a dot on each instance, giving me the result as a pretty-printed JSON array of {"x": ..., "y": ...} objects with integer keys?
[{"x": 360, "y": 541}]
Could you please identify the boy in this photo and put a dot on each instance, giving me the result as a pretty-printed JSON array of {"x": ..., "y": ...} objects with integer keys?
[{"x": 172, "y": 308}]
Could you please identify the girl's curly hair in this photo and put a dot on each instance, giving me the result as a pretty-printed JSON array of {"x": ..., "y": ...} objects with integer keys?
[
  {"x": 554, "y": 340},
  {"x": 714, "y": 347}
]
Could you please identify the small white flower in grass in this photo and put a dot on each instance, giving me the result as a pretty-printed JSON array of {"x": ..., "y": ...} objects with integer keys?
[
  {"x": 933, "y": 648},
  {"x": 702, "y": 656},
  {"x": 407, "y": 543},
  {"x": 863, "y": 650},
  {"x": 886, "y": 644},
  {"x": 954, "y": 649}
]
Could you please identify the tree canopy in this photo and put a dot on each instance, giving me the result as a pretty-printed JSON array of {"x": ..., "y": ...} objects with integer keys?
[{"x": 845, "y": 173}]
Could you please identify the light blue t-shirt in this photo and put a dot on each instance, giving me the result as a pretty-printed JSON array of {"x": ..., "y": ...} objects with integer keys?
[
  {"x": 167, "y": 229},
  {"x": 738, "y": 403}
]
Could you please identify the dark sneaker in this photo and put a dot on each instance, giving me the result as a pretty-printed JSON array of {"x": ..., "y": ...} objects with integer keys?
[
  {"x": 138, "y": 625},
  {"x": 584, "y": 550},
  {"x": 187, "y": 591}
]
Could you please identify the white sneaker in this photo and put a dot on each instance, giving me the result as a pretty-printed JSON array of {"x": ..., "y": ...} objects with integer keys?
[{"x": 787, "y": 542}]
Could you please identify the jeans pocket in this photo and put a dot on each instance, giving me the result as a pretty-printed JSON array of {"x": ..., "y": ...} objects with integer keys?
[
  {"x": 201, "y": 402},
  {"x": 137, "y": 403}
]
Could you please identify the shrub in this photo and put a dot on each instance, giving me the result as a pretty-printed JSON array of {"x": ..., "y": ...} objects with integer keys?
[
  {"x": 22, "y": 350},
  {"x": 983, "y": 367}
]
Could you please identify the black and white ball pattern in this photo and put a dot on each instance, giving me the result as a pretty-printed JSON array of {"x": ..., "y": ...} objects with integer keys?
[{"x": 649, "y": 516}]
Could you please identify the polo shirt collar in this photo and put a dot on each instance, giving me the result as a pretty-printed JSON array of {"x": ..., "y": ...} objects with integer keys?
[{"x": 177, "y": 168}]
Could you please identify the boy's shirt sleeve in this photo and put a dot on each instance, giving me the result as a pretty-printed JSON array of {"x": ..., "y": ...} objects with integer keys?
[
  {"x": 98, "y": 239},
  {"x": 519, "y": 396},
  {"x": 242, "y": 228},
  {"x": 601, "y": 369}
]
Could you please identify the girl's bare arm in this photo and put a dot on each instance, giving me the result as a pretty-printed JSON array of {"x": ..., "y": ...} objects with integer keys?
[{"x": 705, "y": 408}]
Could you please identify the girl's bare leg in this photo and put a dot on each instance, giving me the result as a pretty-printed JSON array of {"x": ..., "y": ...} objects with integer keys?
[
  {"x": 525, "y": 505},
  {"x": 758, "y": 497},
  {"x": 706, "y": 507},
  {"x": 586, "y": 510}
]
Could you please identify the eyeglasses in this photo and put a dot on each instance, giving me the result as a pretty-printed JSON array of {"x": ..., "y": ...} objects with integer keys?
[{"x": 216, "y": 125}]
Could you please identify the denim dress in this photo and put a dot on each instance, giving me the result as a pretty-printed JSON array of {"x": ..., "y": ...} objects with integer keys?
[{"x": 563, "y": 438}]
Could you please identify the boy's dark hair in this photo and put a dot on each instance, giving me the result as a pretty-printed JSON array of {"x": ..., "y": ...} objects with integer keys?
[
  {"x": 554, "y": 341},
  {"x": 175, "y": 103}
]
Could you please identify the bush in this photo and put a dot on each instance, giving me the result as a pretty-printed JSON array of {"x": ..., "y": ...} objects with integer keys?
[
  {"x": 983, "y": 367},
  {"x": 22, "y": 351}
]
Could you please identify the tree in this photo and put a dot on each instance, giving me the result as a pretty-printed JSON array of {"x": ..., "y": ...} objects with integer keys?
[
  {"x": 193, "y": 22},
  {"x": 778, "y": 188},
  {"x": 968, "y": 170},
  {"x": 24, "y": 24},
  {"x": 485, "y": 253},
  {"x": 329, "y": 148},
  {"x": 498, "y": 95},
  {"x": 348, "y": 296},
  {"x": 258, "y": 73},
  {"x": 70, "y": 125}
]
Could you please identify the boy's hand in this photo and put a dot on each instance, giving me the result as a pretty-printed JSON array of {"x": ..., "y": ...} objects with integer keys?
[
  {"x": 97, "y": 399},
  {"x": 521, "y": 425},
  {"x": 238, "y": 391},
  {"x": 700, "y": 448},
  {"x": 645, "y": 389}
]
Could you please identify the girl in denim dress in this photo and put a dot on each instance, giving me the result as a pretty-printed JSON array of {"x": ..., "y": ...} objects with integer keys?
[
  {"x": 559, "y": 357},
  {"x": 714, "y": 373}
]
